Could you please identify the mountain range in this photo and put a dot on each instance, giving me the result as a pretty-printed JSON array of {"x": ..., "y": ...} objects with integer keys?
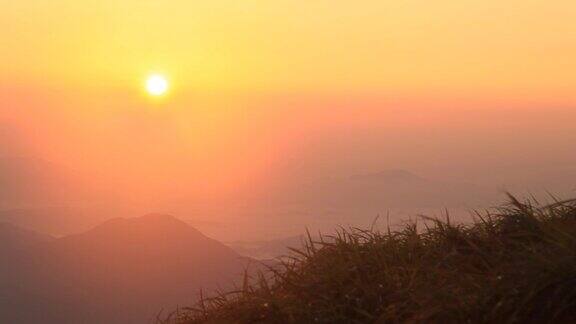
[
  {"x": 391, "y": 188},
  {"x": 122, "y": 271}
]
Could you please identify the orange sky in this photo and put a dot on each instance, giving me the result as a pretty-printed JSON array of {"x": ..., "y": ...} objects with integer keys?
[{"x": 257, "y": 84}]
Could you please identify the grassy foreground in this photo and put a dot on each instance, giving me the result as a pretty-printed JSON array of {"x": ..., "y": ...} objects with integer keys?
[{"x": 516, "y": 264}]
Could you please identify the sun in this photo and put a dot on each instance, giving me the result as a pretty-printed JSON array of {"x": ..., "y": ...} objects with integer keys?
[{"x": 156, "y": 85}]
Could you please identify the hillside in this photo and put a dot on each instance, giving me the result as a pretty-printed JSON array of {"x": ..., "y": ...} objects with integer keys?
[
  {"x": 516, "y": 264},
  {"x": 14, "y": 238},
  {"x": 122, "y": 271},
  {"x": 15, "y": 242}
]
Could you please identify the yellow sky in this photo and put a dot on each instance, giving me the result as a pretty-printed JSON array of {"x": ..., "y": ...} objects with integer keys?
[{"x": 407, "y": 46}]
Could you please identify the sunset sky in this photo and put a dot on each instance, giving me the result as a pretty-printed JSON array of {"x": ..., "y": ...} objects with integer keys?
[
  {"x": 261, "y": 89},
  {"x": 476, "y": 47}
]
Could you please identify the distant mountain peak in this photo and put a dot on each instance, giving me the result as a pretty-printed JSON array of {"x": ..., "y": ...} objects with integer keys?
[
  {"x": 158, "y": 217},
  {"x": 152, "y": 221},
  {"x": 146, "y": 218},
  {"x": 130, "y": 268},
  {"x": 147, "y": 229}
]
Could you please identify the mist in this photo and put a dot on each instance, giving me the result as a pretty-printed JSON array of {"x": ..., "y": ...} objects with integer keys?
[{"x": 238, "y": 158}]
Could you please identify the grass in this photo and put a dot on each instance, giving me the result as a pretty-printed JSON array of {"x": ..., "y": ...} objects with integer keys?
[{"x": 515, "y": 264}]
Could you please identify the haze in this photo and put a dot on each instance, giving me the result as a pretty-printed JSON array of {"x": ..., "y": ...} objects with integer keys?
[
  {"x": 150, "y": 149},
  {"x": 270, "y": 96}
]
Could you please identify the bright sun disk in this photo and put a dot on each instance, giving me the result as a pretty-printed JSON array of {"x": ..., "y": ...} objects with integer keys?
[{"x": 156, "y": 85}]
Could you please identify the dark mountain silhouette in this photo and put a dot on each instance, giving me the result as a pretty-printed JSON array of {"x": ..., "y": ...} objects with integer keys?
[
  {"x": 13, "y": 237},
  {"x": 15, "y": 241},
  {"x": 122, "y": 271}
]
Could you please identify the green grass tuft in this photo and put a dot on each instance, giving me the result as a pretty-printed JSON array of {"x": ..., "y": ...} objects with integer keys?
[{"x": 516, "y": 264}]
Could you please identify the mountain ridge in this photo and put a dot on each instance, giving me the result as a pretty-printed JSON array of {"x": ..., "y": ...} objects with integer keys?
[{"x": 124, "y": 270}]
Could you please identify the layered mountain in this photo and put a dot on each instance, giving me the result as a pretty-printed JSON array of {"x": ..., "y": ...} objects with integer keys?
[
  {"x": 387, "y": 189},
  {"x": 122, "y": 271},
  {"x": 15, "y": 242},
  {"x": 50, "y": 198},
  {"x": 13, "y": 237}
]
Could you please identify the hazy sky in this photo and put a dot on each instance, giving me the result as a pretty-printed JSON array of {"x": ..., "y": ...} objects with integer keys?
[{"x": 263, "y": 90}]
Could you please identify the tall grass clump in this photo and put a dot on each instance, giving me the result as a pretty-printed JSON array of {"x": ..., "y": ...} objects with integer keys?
[{"x": 515, "y": 264}]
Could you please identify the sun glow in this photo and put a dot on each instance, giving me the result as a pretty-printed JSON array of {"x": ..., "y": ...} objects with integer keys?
[{"x": 157, "y": 85}]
